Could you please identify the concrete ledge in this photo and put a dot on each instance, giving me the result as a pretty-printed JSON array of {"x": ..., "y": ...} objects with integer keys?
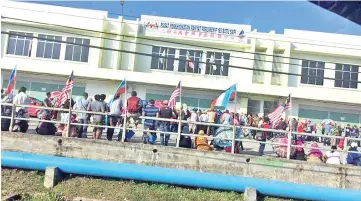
[
  {"x": 250, "y": 194},
  {"x": 52, "y": 176},
  {"x": 336, "y": 176}
]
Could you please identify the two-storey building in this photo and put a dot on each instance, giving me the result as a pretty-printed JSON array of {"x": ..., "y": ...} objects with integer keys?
[{"x": 320, "y": 70}]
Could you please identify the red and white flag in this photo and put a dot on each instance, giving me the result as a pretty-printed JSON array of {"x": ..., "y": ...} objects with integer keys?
[
  {"x": 174, "y": 95},
  {"x": 64, "y": 95},
  {"x": 276, "y": 114},
  {"x": 189, "y": 61}
]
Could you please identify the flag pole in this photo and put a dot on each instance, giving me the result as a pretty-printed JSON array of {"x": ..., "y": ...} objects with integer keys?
[
  {"x": 234, "y": 126},
  {"x": 289, "y": 137},
  {"x": 13, "y": 110},
  {"x": 125, "y": 114},
  {"x": 69, "y": 117},
  {"x": 180, "y": 115}
]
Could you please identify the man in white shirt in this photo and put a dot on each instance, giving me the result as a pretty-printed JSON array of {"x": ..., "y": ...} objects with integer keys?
[
  {"x": 115, "y": 117},
  {"x": 82, "y": 105},
  {"x": 333, "y": 157},
  {"x": 21, "y": 99}
]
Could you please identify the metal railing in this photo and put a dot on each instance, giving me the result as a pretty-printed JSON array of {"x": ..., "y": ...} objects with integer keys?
[{"x": 179, "y": 133}]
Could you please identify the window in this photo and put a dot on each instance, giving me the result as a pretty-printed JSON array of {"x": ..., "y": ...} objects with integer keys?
[
  {"x": 20, "y": 44},
  {"x": 195, "y": 56},
  {"x": 269, "y": 106},
  {"x": 253, "y": 106},
  {"x": 346, "y": 76},
  {"x": 312, "y": 72},
  {"x": 259, "y": 61},
  {"x": 277, "y": 66},
  {"x": 77, "y": 52},
  {"x": 217, "y": 63},
  {"x": 48, "y": 48},
  {"x": 161, "y": 63}
]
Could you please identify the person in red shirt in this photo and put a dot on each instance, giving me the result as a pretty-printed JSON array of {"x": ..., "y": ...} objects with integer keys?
[{"x": 266, "y": 124}]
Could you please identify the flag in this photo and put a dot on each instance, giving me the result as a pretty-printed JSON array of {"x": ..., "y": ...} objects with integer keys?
[
  {"x": 54, "y": 94},
  {"x": 174, "y": 95},
  {"x": 162, "y": 60},
  {"x": 212, "y": 61},
  {"x": 233, "y": 96},
  {"x": 276, "y": 114},
  {"x": 12, "y": 80},
  {"x": 119, "y": 90},
  {"x": 223, "y": 99},
  {"x": 189, "y": 62},
  {"x": 64, "y": 95}
]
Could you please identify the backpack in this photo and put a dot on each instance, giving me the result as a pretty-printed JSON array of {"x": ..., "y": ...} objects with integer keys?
[{"x": 133, "y": 105}]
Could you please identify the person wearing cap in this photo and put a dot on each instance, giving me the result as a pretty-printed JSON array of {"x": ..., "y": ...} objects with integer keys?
[
  {"x": 353, "y": 158},
  {"x": 166, "y": 113}
]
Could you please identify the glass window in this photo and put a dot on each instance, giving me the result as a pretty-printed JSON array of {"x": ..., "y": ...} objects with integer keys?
[
  {"x": 259, "y": 62},
  {"x": 312, "y": 72},
  {"x": 20, "y": 43},
  {"x": 161, "y": 63},
  {"x": 269, "y": 106},
  {"x": 47, "y": 47},
  {"x": 217, "y": 63},
  {"x": 346, "y": 76},
  {"x": 77, "y": 51},
  {"x": 192, "y": 66},
  {"x": 253, "y": 106},
  {"x": 277, "y": 67}
]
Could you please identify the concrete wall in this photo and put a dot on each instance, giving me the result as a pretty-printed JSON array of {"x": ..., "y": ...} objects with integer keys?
[{"x": 336, "y": 176}]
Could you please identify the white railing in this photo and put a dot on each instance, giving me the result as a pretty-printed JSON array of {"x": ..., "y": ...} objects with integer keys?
[{"x": 233, "y": 140}]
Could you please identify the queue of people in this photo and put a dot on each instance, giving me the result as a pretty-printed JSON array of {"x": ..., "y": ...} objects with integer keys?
[{"x": 135, "y": 108}]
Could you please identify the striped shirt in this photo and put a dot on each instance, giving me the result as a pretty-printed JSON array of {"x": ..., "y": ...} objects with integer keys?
[{"x": 150, "y": 111}]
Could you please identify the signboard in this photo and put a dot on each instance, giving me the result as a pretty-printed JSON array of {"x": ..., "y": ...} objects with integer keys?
[{"x": 194, "y": 31}]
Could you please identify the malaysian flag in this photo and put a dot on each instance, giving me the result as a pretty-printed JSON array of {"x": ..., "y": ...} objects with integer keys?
[
  {"x": 64, "y": 95},
  {"x": 174, "y": 95},
  {"x": 276, "y": 114}
]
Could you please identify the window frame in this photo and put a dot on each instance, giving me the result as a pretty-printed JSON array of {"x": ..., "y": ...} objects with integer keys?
[
  {"x": 78, "y": 45},
  {"x": 218, "y": 62},
  {"x": 170, "y": 57},
  {"x": 17, "y": 39},
  {"x": 344, "y": 82},
  {"x": 46, "y": 42},
  {"x": 195, "y": 55},
  {"x": 318, "y": 67}
]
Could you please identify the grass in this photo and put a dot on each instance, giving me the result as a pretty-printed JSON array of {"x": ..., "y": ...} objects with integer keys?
[{"x": 30, "y": 184}]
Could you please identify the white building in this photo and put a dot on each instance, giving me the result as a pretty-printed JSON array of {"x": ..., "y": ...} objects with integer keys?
[{"x": 131, "y": 49}]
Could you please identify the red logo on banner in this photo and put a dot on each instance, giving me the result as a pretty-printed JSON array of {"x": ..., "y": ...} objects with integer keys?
[
  {"x": 186, "y": 33},
  {"x": 180, "y": 33},
  {"x": 193, "y": 33},
  {"x": 205, "y": 35},
  {"x": 219, "y": 35},
  {"x": 169, "y": 31},
  {"x": 212, "y": 35}
]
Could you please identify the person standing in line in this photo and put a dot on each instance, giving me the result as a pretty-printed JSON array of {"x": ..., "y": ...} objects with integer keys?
[
  {"x": 115, "y": 117},
  {"x": 150, "y": 111},
  {"x": 21, "y": 99},
  {"x": 202, "y": 118},
  {"x": 166, "y": 113},
  {"x": 97, "y": 106},
  {"x": 134, "y": 106},
  {"x": 211, "y": 119},
  {"x": 83, "y": 118},
  {"x": 226, "y": 118},
  {"x": 266, "y": 125},
  {"x": 46, "y": 103},
  {"x": 194, "y": 118}
]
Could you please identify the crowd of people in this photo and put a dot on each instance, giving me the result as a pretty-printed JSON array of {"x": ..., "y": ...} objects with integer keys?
[{"x": 136, "y": 108}]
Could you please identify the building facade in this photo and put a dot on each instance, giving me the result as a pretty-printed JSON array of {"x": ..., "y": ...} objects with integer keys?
[{"x": 320, "y": 70}]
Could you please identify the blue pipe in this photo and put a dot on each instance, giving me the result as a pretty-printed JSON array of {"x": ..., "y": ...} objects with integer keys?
[{"x": 177, "y": 177}]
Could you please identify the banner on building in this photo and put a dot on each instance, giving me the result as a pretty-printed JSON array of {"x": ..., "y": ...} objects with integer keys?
[{"x": 154, "y": 26}]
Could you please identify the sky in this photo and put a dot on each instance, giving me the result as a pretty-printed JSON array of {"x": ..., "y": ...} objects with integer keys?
[{"x": 263, "y": 16}]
